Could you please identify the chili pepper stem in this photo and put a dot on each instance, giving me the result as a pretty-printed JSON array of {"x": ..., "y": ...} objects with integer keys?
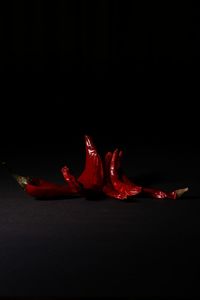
[
  {"x": 21, "y": 180},
  {"x": 180, "y": 192}
]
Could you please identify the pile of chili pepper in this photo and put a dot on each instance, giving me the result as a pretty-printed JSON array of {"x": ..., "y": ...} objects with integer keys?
[{"x": 103, "y": 177}]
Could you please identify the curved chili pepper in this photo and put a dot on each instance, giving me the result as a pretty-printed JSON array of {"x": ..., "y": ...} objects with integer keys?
[
  {"x": 128, "y": 189},
  {"x": 108, "y": 188},
  {"x": 40, "y": 188},
  {"x": 155, "y": 193},
  {"x": 92, "y": 176},
  {"x": 71, "y": 180}
]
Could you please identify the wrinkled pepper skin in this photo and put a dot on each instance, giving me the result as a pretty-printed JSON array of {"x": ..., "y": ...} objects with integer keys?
[{"x": 105, "y": 177}]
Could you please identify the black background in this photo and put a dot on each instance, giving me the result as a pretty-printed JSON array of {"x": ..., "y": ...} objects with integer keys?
[
  {"x": 128, "y": 75},
  {"x": 106, "y": 68}
]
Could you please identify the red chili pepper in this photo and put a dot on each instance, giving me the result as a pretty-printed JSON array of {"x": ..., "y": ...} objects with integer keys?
[
  {"x": 40, "y": 188},
  {"x": 108, "y": 188},
  {"x": 127, "y": 188},
  {"x": 111, "y": 180},
  {"x": 71, "y": 180},
  {"x": 92, "y": 176}
]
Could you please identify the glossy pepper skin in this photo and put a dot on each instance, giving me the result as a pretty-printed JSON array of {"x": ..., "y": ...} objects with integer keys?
[
  {"x": 93, "y": 175},
  {"x": 42, "y": 189},
  {"x": 108, "y": 187},
  {"x": 73, "y": 184},
  {"x": 127, "y": 188},
  {"x": 105, "y": 177}
]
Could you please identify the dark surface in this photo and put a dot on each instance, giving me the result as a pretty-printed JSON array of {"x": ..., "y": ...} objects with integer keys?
[
  {"x": 104, "y": 247},
  {"x": 128, "y": 75}
]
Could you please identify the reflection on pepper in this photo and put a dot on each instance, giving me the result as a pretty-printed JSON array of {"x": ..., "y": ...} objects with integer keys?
[{"x": 105, "y": 177}]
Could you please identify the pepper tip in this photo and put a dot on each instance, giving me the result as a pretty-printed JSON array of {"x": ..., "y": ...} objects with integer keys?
[{"x": 88, "y": 141}]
